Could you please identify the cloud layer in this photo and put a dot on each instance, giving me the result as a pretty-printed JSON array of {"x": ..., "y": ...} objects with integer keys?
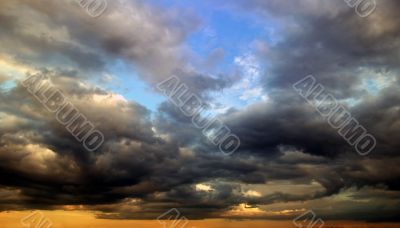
[{"x": 290, "y": 159}]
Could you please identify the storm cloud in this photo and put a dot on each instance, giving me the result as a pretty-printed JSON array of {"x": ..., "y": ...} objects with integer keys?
[{"x": 154, "y": 160}]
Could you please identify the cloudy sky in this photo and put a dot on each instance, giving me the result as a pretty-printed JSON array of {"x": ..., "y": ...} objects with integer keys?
[{"x": 241, "y": 58}]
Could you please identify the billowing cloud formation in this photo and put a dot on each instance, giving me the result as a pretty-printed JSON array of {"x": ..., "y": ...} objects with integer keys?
[{"x": 290, "y": 159}]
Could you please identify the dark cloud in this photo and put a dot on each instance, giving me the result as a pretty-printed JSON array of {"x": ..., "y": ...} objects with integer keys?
[{"x": 151, "y": 162}]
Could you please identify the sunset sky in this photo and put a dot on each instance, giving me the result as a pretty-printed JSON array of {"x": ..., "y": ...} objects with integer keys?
[{"x": 247, "y": 61}]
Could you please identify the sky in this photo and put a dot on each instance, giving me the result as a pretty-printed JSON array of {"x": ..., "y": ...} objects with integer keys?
[{"x": 247, "y": 61}]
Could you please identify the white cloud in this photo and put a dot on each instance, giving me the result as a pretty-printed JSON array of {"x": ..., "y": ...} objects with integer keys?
[{"x": 203, "y": 187}]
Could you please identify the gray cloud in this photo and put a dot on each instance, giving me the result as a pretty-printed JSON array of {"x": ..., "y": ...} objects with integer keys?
[{"x": 151, "y": 162}]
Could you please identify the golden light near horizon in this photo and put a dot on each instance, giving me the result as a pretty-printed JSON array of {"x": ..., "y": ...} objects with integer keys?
[{"x": 86, "y": 219}]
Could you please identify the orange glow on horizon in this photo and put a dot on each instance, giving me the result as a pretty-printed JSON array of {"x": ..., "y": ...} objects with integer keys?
[{"x": 85, "y": 219}]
